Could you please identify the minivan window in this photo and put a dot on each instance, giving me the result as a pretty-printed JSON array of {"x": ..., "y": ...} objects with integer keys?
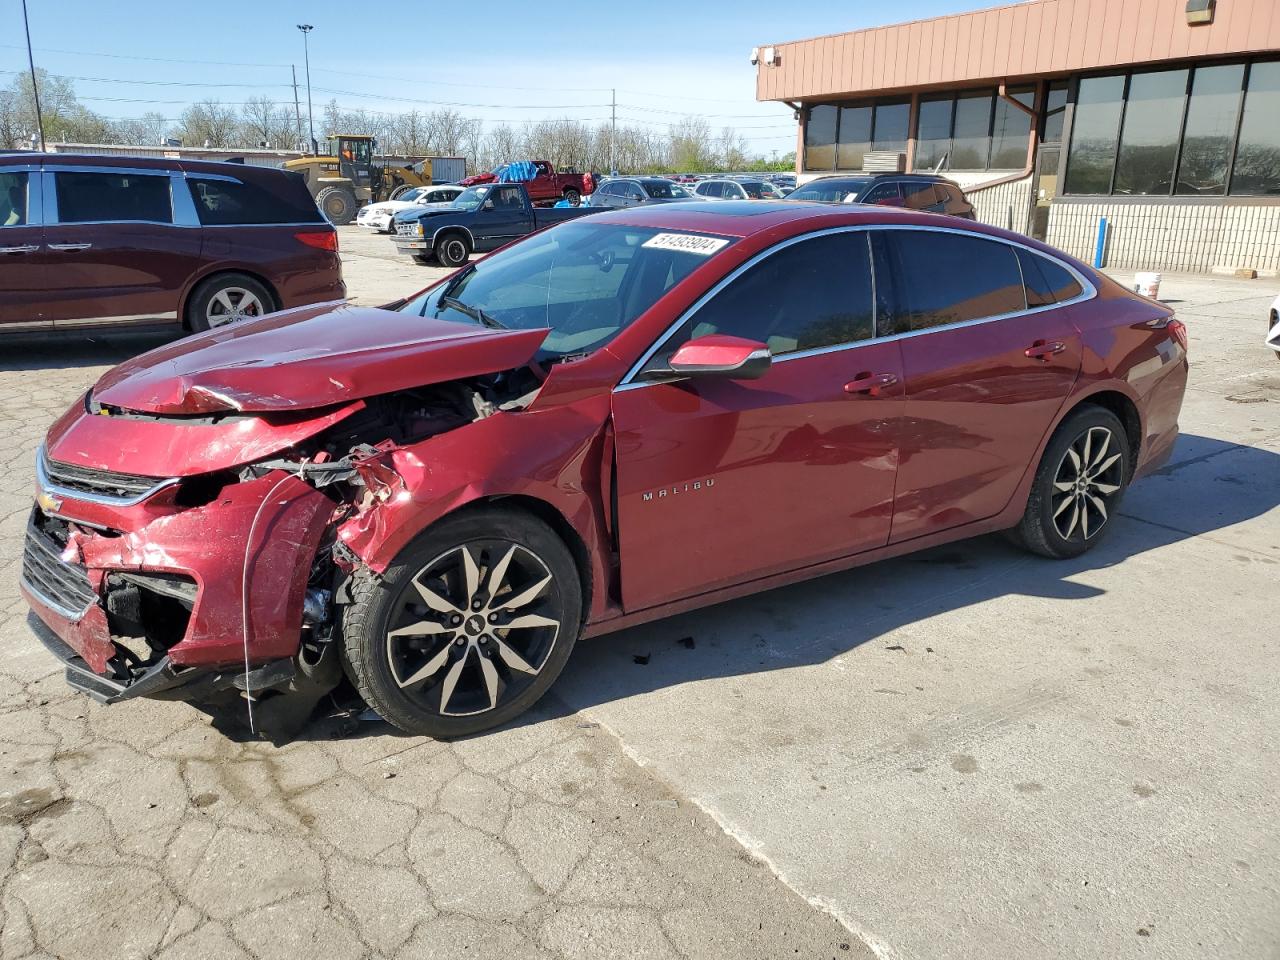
[
  {"x": 222, "y": 203},
  {"x": 812, "y": 294},
  {"x": 942, "y": 278},
  {"x": 106, "y": 197},
  {"x": 13, "y": 199}
]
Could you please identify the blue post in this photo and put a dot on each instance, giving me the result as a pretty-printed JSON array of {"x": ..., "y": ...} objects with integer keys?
[{"x": 1102, "y": 242}]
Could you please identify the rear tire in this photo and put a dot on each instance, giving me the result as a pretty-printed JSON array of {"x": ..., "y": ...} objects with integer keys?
[
  {"x": 572, "y": 195},
  {"x": 452, "y": 250},
  {"x": 425, "y": 643},
  {"x": 400, "y": 191},
  {"x": 1078, "y": 485},
  {"x": 227, "y": 298},
  {"x": 338, "y": 204}
]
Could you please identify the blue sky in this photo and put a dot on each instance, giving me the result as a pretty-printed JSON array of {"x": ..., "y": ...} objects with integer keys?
[{"x": 506, "y": 61}]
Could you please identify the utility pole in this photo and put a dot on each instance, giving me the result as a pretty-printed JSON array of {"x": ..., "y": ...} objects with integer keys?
[
  {"x": 613, "y": 131},
  {"x": 306, "y": 29},
  {"x": 35, "y": 90},
  {"x": 297, "y": 110}
]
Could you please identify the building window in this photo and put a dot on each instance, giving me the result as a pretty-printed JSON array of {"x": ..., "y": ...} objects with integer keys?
[
  {"x": 855, "y": 137},
  {"x": 976, "y": 130},
  {"x": 1095, "y": 135},
  {"x": 837, "y": 137},
  {"x": 1174, "y": 132},
  {"x": 1257, "y": 169},
  {"x": 820, "y": 138},
  {"x": 1055, "y": 112},
  {"x": 1211, "y": 125},
  {"x": 1149, "y": 139}
]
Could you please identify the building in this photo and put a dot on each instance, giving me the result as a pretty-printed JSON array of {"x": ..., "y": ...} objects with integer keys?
[{"x": 1161, "y": 116}]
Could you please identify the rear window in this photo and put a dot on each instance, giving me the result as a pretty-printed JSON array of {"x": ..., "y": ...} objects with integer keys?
[
  {"x": 661, "y": 189},
  {"x": 831, "y": 191},
  {"x": 1047, "y": 282},
  {"x": 221, "y": 203},
  {"x": 106, "y": 197},
  {"x": 945, "y": 278}
]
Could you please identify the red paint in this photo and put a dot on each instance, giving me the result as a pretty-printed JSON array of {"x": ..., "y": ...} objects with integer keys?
[{"x": 721, "y": 487}]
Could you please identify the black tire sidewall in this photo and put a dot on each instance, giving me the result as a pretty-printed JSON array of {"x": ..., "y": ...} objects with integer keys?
[
  {"x": 573, "y": 196},
  {"x": 1037, "y": 531},
  {"x": 365, "y": 655},
  {"x": 198, "y": 306},
  {"x": 444, "y": 251}
]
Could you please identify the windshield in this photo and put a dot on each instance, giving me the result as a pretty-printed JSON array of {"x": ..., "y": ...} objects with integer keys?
[
  {"x": 661, "y": 189},
  {"x": 472, "y": 197},
  {"x": 831, "y": 191},
  {"x": 585, "y": 281},
  {"x": 758, "y": 190}
]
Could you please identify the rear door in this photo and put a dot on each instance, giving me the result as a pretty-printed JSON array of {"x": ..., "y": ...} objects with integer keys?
[
  {"x": 24, "y": 276},
  {"x": 114, "y": 250},
  {"x": 886, "y": 194},
  {"x": 985, "y": 374},
  {"x": 723, "y": 481}
]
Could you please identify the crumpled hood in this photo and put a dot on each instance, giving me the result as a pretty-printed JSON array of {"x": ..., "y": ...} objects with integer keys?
[{"x": 310, "y": 357}]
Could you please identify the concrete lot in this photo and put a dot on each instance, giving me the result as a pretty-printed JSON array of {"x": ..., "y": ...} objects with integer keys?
[{"x": 966, "y": 753}]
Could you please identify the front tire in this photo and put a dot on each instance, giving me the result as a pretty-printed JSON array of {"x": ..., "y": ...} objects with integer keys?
[
  {"x": 1078, "y": 486},
  {"x": 452, "y": 250},
  {"x": 469, "y": 626}
]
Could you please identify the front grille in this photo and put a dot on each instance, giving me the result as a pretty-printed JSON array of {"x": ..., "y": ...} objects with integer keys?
[
  {"x": 105, "y": 483},
  {"x": 64, "y": 586},
  {"x": 407, "y": 229}
]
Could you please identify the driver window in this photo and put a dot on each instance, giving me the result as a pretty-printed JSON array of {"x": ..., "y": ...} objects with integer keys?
[
  {"x": 13, "y": 199},
  {"x": 812, "y": 294}
]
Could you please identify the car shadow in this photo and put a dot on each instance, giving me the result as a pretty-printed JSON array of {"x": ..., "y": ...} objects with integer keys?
[
  {"x": 1208, "y": 486},
  {"x": 43, "y": 351}
]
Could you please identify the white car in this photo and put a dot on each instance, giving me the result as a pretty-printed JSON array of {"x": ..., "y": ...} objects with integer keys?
[
  {"x": 1273, "y": 327},
  {"x": 737, "y": 190},
  {"x": 378, "y": 216}
]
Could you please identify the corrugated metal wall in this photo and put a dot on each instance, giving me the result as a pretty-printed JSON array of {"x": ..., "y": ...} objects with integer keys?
[{"x": 1026, "y": 39}]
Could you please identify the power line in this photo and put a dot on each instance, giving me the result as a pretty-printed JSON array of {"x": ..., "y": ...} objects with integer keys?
[{"x": 128, "y": 56}]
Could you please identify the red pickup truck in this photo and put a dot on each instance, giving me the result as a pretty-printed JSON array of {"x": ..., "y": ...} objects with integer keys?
[{"x": 546, "y": 184}]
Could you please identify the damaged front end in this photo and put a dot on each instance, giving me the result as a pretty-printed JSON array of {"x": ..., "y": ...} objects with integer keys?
[{"x": 196, "y": 556}]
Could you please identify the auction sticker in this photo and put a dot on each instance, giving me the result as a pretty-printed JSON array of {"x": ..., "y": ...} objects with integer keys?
[{"x": 687, "y": 243}]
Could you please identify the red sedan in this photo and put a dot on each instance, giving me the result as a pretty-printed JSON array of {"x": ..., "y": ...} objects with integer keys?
[{"x": 611, "y": 421}]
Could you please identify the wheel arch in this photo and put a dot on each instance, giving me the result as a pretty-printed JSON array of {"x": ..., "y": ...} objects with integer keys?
[
  {"x": 1126, "y": 412},
  {"x": 454, "y": 228},
  {"x": 197, "y": 282}
]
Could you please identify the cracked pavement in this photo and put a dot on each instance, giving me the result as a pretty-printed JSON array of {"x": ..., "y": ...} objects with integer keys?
[{"x": 1067, "y": 769}]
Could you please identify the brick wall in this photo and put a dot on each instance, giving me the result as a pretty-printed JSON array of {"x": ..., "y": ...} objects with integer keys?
[
  {"x": 1007, "y": 205},
  {"x": 1172, "y": 236}
]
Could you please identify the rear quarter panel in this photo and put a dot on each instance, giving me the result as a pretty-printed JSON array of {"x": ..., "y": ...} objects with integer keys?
[{"x": 298, "y": 274}]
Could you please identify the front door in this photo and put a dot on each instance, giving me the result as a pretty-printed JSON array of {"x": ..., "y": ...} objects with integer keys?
[
  {"x": 504, "y": 217},
  {"x": 114, "y": 251},
  {"x": 723, "y": 481},
  {"x": 985, "y": 375},
  {"x": 23, "y": 276}
]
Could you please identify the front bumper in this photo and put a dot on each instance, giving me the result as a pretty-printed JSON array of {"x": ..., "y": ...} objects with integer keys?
[
  {"x": 374, "y": 221},
  {"x": 140, "y": 591},
  {"x": 410, "y": 244}
]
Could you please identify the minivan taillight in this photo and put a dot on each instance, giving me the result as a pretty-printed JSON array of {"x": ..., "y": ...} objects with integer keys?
[{"x": 320, "y": 239}]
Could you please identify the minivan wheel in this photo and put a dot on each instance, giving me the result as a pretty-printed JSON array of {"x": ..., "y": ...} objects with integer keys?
[
  {"x": 1078, "y": 486},
  {"x": 225, "y": 299},
  {"x": 452, "y": 250},
  {"x": 469, "y": 626}
]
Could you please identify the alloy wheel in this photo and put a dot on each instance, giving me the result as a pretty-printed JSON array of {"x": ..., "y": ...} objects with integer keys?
[
  {"x": 1085, "y": 484},
  {"x": 474, "y": 627},
  {"x": 233, "y": 303}
]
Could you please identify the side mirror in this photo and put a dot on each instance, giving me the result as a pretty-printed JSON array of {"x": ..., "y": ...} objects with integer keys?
[
  {"x": 720, "y": 355},
  {"x": 488, "y": 205}
]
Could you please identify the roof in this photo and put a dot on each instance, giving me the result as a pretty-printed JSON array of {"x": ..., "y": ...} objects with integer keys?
[
  {"x": 1022, "y": 40},
  {"x": 51, "y": 160}
]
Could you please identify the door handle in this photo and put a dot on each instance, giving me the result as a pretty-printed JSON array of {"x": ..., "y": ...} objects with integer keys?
[
  {"x": 1044, "y": 349},
  {"x": 22, "y": 248},
  {"x": 70, "y": 246},
  {"x": 870, "y": 383}
]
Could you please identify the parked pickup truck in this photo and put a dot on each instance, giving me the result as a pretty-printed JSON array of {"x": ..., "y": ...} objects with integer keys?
[
  {"x": 545, "y": 184},
  {"x": 483, "y": 218}
]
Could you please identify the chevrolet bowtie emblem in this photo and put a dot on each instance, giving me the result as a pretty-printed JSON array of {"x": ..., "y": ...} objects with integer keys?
[{"x": 48, "y": 502}]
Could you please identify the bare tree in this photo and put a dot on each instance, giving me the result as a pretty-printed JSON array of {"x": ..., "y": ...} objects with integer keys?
[
  {"x": 691, "y": 146},
  {"x": 266, "y": 123},
  {"x": 210, "y": 124}
]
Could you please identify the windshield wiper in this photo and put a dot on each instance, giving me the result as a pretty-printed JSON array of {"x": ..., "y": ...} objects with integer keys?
[{"x": 475, "y": 313}]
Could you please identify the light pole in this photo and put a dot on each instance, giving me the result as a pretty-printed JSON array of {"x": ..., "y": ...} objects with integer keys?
[
  {"x": 306, "y": 28},
  {"x": 35, "y": 90}
]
